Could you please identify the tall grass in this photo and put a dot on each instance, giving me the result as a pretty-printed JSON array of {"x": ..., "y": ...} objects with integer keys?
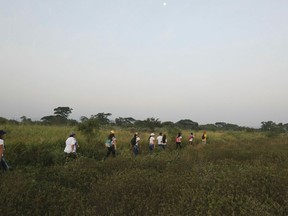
[{"x": 236, "y": 173}]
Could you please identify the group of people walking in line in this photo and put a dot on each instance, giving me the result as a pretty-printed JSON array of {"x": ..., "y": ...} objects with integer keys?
[{"x": 111, "y": 143}]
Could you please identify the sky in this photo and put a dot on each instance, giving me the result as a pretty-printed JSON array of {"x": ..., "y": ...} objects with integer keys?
[{"x": 207, "y": 61}]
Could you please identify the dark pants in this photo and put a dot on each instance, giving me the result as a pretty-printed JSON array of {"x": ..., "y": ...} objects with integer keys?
[
  {"x": 111, "y": 150},
  {"x": 178, "y": 144},
  {"x": 71, "y": 155},
  {"x": 4, "y": 165},
  {"x": 135, "y": 150}
]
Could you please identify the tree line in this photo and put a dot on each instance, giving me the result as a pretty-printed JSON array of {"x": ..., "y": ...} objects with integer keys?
[{"x": 61, "y": 117}]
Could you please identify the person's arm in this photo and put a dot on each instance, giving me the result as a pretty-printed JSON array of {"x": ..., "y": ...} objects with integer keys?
[
  {"x": 1, "y": 152},
  {"x": 114, "y": 143}
]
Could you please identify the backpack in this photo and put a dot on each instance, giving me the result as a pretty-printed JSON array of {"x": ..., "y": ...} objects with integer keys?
[
  {"x": 108, "y": 143},
  {"x": 133, "y": 141}
]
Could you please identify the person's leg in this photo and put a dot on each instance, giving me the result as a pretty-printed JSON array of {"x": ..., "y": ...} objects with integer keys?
[
  {"x": 135, "y": 150},
  {"x": 108, "y": 152},
  {"x": 113, "y": 150},
  {"x": 4, "y": 164},
  {"x": 151, "y": 147}
]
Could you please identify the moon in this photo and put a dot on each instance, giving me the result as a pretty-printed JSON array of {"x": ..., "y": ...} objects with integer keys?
[{"x": 164, "y": 3}]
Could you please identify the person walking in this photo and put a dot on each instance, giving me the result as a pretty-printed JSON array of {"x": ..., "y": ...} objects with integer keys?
[
  {"x": 70, "y": 148},
  {"x": 191, "y": 137},
  {"x": 151, "y": 142},
  {"x": 179, "y": 141},
  {"x": 3, "y": 162},
  {"x": 204, "y": 137},
  {"x": 159, "y": 141},
  {"x": 111, "y": 144},
  {"x": 137, "y": 143},
  {"x": 164, "y": 141}
]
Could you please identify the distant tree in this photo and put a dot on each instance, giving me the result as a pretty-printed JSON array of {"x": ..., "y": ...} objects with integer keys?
[
  {"x": 60, "y": 116},
  {"x": 228, "y": 126},
  {"x": 83, "y": 118},
  {"x": 52, "y": 119},
  {"x": 102, "y": 118},
  {"x": 272, "y": 127},
  {"x": 187, "y": 124},
  {"x": 63, "y": 112},
  {"x": 125, "y": 122},
  {"x": 268, "y": 126},
  {"x": 3, "y": 120},
  {"x": 220, "y": 124},
  {"x": 25, "y": 120},
  {"x": 210, "y": 127},
  {"x": 168, "y": 124},
  {"x": 90, "y": 128},
  {"x": 150, "y": 123}
]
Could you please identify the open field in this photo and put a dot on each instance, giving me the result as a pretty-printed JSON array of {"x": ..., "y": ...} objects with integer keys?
[{"x": 236, "y": 173}]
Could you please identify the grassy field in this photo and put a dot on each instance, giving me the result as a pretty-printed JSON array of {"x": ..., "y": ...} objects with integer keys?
[{"x": 236, "y": 173}]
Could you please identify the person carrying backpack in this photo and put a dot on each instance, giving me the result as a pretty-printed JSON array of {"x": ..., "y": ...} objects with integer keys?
[
  {"x": 111, "y": 145},
  {"x": 178, "y": 141}
]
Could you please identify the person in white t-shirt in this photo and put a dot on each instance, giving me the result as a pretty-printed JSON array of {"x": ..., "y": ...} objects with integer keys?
[
  {"x": 137, "y": 143},
  {"x": 4, "y": 165},
  {"x": 151, "y": 142},
  {"x": 70, "y": 149},
  {"x": 159, "y": 141}
]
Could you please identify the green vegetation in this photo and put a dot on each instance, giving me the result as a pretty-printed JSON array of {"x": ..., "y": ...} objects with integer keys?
[{"x": 236, "y": 173}]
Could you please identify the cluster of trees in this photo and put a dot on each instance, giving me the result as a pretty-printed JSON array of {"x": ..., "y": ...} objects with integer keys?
[{"x": 61, "y": 117}]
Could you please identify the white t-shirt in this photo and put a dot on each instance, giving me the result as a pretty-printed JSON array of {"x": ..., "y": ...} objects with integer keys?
[
  {"x": 165, "y": 143},
  {"x": 137, "y": 140},
  {"x": 151, "y": 140},
  {"x": 2, "y": 143},
  {"x": 159, "y": 139},
  {"x": 69, "y": 142}
]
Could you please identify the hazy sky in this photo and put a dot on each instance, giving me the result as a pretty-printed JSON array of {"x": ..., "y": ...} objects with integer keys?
[{"x": 204, "y": 60}]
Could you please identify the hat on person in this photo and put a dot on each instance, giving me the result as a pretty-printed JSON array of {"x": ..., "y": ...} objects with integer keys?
[
  {"x": 112, "y": 131},
  {"x": 2, "y": 132},
  {"x": 72, "y": 133},
  {"x": 152, "y": 134}
]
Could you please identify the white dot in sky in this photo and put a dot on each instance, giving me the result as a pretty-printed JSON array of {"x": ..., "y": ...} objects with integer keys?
[{"x": 164, "y": 3}]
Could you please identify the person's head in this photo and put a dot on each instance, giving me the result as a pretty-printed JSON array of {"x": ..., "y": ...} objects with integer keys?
[
  {"x": 179, "y": 134},
  {"x": 111, "y": 135},
  {"x": 72, "y": 134},
  {"x": 204, "y": 131},
  {"x": 191, "y": 133},
  {"x": 2, "y": 133},
  {"x": 152, "y": 134},
  {"x": 160, "y": 133}
]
